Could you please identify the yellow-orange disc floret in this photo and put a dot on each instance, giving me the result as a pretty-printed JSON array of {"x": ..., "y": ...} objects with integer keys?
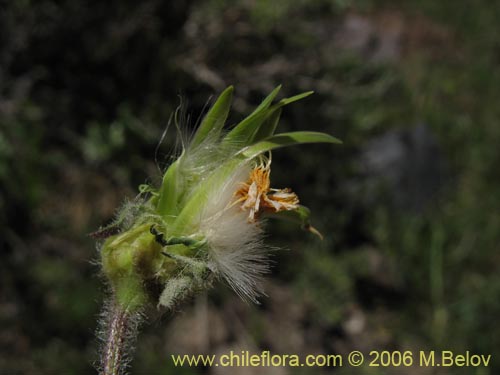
[{"x": 257, "y": 196}]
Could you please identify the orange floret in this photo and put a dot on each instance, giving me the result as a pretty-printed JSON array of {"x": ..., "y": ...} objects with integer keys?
[{"x": 257, "y": 196}]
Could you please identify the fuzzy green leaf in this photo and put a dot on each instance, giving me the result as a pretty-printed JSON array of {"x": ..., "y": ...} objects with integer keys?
[
  {"x": 174, "y": 290},
  {"x": 214, "y": 120},
  {"x": 286, "y": 139}
]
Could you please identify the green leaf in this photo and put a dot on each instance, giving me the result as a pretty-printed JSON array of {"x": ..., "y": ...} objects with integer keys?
[
  {"x": 243, "y": 132},
  {"x": 295, "y": 98},
  {"x": 270, "y": 123},
  {"x": 214, "y": 120},
  {"x": 169, "y": 190},
  {"x": 300, "y": 216},
  {"x": 268, "y": 127},
  {"x": 268, "y": 100},
  {"x": 287, "y": 139},
  {"x": 246, "y": 131}
]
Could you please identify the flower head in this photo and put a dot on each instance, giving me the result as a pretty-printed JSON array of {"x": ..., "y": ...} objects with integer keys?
[
  {"x": 257, "y": 196},
  {"x": 203, "y": 222}
]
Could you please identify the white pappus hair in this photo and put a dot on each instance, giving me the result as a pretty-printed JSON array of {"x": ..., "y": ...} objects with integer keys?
[{"x": 237, "y": 252}]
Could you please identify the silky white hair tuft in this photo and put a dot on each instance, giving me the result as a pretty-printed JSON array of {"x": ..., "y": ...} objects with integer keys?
[{"x": 237, "y": 252}]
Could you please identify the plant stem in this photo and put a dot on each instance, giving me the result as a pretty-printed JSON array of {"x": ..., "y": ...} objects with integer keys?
[{"x": 120, "y": 333}]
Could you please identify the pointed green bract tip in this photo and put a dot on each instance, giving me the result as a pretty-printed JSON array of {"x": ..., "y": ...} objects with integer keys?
[
  {"x": 287, "y": 139},
  {"x": 296, "y": 98},
  {"x": 214, "y": 120}
]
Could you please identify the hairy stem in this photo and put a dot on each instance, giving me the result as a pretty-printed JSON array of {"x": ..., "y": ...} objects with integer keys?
[{"x": 120, "y": 332}]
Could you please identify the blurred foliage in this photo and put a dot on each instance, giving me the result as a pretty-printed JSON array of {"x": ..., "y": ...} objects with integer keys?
[{"x": 411, "y": 248}]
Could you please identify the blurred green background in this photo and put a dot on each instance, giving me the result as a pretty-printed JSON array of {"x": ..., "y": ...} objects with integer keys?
[{"x": 409, "y": 205}]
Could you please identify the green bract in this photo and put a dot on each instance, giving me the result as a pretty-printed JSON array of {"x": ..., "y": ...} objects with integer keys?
[{"x": 189, "y": 229}]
